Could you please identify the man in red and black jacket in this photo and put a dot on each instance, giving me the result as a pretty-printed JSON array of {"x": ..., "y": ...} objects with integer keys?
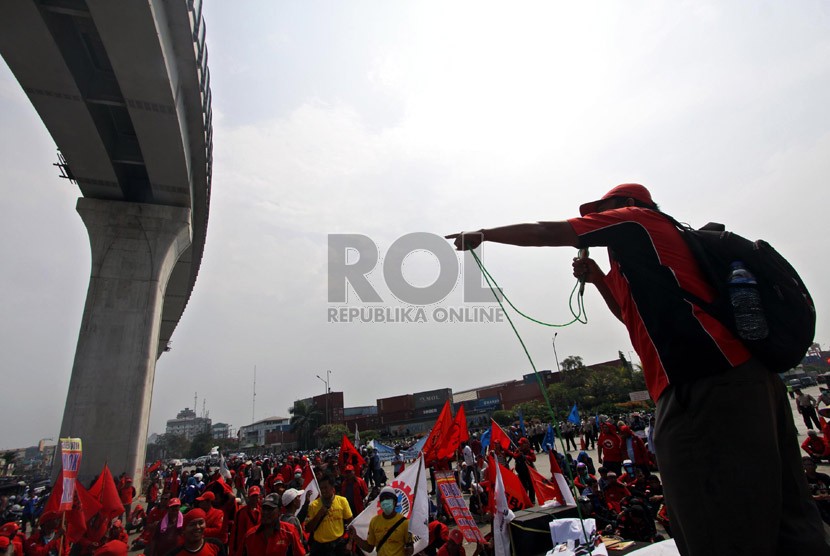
[{"x": 699, "y": 374}]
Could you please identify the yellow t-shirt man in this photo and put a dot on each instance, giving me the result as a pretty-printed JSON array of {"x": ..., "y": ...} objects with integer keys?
[
  {"x": 331, "y": 528},
  {"x": 397, "y": 541}
]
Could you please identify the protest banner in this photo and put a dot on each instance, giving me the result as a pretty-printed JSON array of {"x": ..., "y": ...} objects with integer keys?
[{"x": 457, "y": 507}]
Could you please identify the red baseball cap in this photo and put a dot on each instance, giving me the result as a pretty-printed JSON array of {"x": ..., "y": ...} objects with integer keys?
[
  {"x": 456, "y": 536},
  {"x": 626, "y": 190},
  {"x": 9, "y": 529},
  {"x": 253, "y": 491},
  {"x": 207, "y": 496}
]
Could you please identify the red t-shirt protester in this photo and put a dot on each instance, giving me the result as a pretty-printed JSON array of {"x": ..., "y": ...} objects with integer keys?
[
  {"x": 610, "y": 448},
  {"x": 193, "y": 535},
  {"x": 247, "y": 518},
  {"x": 273, "y": 537}
]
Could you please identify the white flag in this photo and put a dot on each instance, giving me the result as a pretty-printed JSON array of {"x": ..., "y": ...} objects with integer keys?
[
  {"x": 311, "y": 489},
  {"x": 413, "y": 503},
  {"x": 223, "y": 468},
  {"x": 502, "y": 518},
  {"x": 356, "y": 437}
]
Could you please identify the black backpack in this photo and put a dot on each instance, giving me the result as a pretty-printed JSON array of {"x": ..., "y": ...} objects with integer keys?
[{"x": 788, "y": 307}]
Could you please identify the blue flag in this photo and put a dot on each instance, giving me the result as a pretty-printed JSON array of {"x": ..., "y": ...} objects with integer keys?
[
  {"x": 549, "y": 439},
  {"x": 574, "y": 416},
  {"x": 522, "y": 422},
  {"x": 485, "y": 440}
]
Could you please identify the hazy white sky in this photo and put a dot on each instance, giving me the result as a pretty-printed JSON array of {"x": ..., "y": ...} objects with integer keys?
[{"x": 385, "y": 118}]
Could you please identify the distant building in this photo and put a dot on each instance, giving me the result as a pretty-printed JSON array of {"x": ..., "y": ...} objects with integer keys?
[
  {"x": 271, "y": 431},
  {"x": 220, "y": 430},
  {"x": 186, "y": 424}
]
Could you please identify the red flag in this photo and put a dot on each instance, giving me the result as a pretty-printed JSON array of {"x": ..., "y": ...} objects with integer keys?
[
  {"x": 517, "y": 497},
  {"x": 436, "y": 436},
  {"x": 174, "y": 483},
  {"x": 349, "y": 455},
  {"x": 53, "y": 503},
  {"x": 106, "y": 493},
  {"x": 84, "y": 508},
  {"x": 558, "y": 480},
  {"x": 218, "y": 486},
  {"x": 545, "y": 489},
  {"x": 156, "y": 466},
  {"x": 498, "y": 436},
  {"x": 311, "y": 490},
  {"x": 463, "y": 434},
  {"x": 457, "y": 434}
]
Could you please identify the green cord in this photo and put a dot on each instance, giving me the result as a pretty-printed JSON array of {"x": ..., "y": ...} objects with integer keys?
[{"x": 578, "y": 315}]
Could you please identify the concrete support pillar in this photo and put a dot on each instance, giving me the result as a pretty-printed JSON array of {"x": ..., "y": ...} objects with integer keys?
[{"x": 134, "y": 249}]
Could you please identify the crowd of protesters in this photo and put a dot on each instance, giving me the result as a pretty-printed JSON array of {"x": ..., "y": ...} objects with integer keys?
[{"x": 258, "y": 506}]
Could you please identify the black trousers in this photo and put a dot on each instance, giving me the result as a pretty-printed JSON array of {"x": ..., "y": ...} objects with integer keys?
[{"x": 731, "y": 468}]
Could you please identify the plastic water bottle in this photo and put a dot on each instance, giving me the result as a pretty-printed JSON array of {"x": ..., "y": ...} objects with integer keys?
[{"x": 746, "y": 303}]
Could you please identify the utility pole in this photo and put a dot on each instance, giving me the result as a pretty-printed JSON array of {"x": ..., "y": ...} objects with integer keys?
[{"x": 554, "y": 352}]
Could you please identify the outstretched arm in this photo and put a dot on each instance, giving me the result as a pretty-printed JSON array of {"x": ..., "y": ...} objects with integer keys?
[{"x": 540, "y": 234}]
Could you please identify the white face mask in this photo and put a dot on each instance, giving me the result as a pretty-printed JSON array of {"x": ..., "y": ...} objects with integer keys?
[{"x": 297, "y": 475}]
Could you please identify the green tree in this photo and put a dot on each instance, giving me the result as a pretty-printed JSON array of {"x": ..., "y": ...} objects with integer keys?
[
  {"x": 572, "y": 363},
  {"x": 305, "y": 419},
  {"x": 173, "y": 446},
  {"x": 366, "y": 436},
  {"x": 230, "y": 444},
  {"x": 534, "y": 409},
  {"x": 201, "y": 445},
  {"x": 330, "y": 436},
  {"x": 504, "y": 417}
]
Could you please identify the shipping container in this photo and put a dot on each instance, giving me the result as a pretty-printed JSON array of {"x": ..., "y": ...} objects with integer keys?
[
  {"x": 432, "y": 398},
  {"x": 363, "y": 422},
  {"x": 396, "y": 417},
  {"x": 486, "y": 404},
  {"x": 531, "y": 378},
  {"x": 495, "y": 391},
  {"x": 520, "y": 393},
  {"x": 360, "y": 410},
  {"x": 427, "y": 412},
  {"x": 394, "y": 404},
  {"x": 335, "y": 399}
]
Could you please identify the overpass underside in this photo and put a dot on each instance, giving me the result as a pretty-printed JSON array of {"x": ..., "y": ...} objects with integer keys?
[{"x": 123, "y": 88}]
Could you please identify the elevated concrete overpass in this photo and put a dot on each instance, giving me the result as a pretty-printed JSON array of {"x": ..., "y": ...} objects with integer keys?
[{"x": 124, "y": 90}]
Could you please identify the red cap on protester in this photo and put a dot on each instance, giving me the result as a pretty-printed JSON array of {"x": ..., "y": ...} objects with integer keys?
[
  {"x": 9, "y": 529},
  {"x": 209, "y": 496},
  {"x": 349, "y": 468},
  {"x": 49, "y": 516},
  {"x": 174, "y": 502},
  {"x": 253, "y": 491},
  {"x": 193, "y": 515},
  {"x": 112, "y": 548},
  {"x": 627, "y": 190},
  {"x": 456, "y": 536}
]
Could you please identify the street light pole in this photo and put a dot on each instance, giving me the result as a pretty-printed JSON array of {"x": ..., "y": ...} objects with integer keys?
[
  {"x": 558, "y": 370},
  {"x": 328, "y": 391}
]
